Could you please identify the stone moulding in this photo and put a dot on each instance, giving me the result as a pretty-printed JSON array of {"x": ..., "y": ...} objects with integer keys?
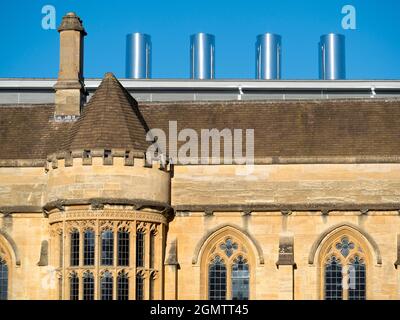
[
  {"x": 285, "y": 209},
  {"x": 201, "y": 243},
  {"x": 163, "y": 209},
  {"x": 323, "y": 235},
  {"x": 107, "y": 214}
]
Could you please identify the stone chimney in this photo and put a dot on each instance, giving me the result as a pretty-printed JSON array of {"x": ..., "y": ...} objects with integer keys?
[{"x": 70, "y": 90}]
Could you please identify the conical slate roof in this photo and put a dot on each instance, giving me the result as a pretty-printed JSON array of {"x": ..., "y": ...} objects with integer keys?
[{"x": 111, "y": 119}]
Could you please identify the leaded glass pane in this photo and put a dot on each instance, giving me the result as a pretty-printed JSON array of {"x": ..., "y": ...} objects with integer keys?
[
  {"x": 107, "y": 248},
  {"x": 240, "y": 279},
  {"x": 333, "y": 280},
  {"x": 357, "y": 279},
  {"x": 3, "y": 280},
  {"x": 344, "y": 246},
  {"x": 88, "y": 248},
  {"x": 140, "y": 249},
  {"x": 139, "y": 288},
  {"x": 217, "y": 280},
  {"x": 123, "y": 287},
  {"x": 88, "y": 286},
  {"x": 74, "y": 248},
  {"x": 123, "y": 248},
  {"x": 229, "y": 247},
  {"x": 74, "y": 287},
  {"x": 107, "y": 286}
]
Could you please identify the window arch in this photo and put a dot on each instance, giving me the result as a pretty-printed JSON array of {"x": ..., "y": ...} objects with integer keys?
[
  {"x": 227, "y": 267},
  {"x": 74, "y": 261},
  {"x": 123, "y": 247},
  {"x": 74, "y": 286},
  {"x": 88, "y": 286},
  {"x": 88, "y": 247},
  {"x": 106, "y": 284},
  {"x": 344, "y": 262},
  {"x": 107, "y": 247},
  {"x": 122, "y": 286},
  {"x": 3, "y": 279}
]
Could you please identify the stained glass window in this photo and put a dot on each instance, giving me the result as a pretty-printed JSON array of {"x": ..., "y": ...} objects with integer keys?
[{"x": 217, "y": 279}]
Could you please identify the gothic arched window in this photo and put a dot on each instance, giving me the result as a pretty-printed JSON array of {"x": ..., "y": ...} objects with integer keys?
[
  {"x": 240, "y": 279},
  {"x": 344, "y": 270},
  {"x": 106, "y": 286},
  {"x": 107, "y": 248},
  {"x": 139, "y": 287},
  {"x": 140, "y": 248},
  {"x": 88, "y": 286},
  {"x": 3, "y": 280},
  {"x": 88, "y": 247},
  {"x": 123, "y": 248},
  {"x": 228, "y": 270},
  {"x": 217, "y": 279},
  {"x": 74, "y": 248},
  {"x": 122, "y": 286},
  {"x": 73, "y": 286}
]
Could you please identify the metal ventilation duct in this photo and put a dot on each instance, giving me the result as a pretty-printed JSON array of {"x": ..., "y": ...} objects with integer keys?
[
  {"x": 268, "y": 56},
  {"x": 332, "y": 57},
  {"x": 138, "y": 56},
  {"x": 202, "y": 56}
]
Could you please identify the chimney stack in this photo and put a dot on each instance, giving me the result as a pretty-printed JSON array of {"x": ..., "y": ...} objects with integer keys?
[{"x": 70, "y": 90}]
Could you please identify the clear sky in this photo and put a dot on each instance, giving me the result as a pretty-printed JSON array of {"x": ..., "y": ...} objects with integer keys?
[{"x": 373, "y": 48}]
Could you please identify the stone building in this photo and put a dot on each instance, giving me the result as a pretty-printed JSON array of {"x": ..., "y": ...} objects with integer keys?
[{"x": 86, "y": 214}]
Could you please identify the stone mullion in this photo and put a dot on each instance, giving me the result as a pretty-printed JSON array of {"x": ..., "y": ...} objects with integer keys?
[
  {"x": 132, "y": 262},
  {"x": 228, "y": 280},
  {"x": 97, "y": 257},
  {"x": 147, "y": 254},
  {"x": 80, "y": 287},
  {"x": 115, "y": 246},
  {"x": 81, "y": 248},
  {"x": 158, "y": 263},
  {"x": 64, "y": 254},
  {"x": 115, "y": 274}
]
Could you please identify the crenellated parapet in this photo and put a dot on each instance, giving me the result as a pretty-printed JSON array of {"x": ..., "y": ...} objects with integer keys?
[{"x": 107, "y": 176}]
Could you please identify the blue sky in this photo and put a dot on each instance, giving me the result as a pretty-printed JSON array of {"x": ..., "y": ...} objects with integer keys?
[{"x": 373, "y": 49}]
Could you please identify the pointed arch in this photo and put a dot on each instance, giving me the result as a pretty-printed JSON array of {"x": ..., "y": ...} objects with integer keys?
[
  {"x": 8, "y": 243},
  {"x": 369, "y": 241},
  {"x": 227, "y": 258},
  {"x": 236, "y": 230}
]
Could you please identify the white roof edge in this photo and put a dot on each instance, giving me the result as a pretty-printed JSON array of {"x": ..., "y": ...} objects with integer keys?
[{"x": 188, "y": 84}]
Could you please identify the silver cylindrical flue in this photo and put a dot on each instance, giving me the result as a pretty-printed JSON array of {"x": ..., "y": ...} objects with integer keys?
[
  {"x": 138, "y": 56},
  {"x": 332, "y": 57},
  {"x": 268, "y": 56},
  {"x": 202, "y": 56}
]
